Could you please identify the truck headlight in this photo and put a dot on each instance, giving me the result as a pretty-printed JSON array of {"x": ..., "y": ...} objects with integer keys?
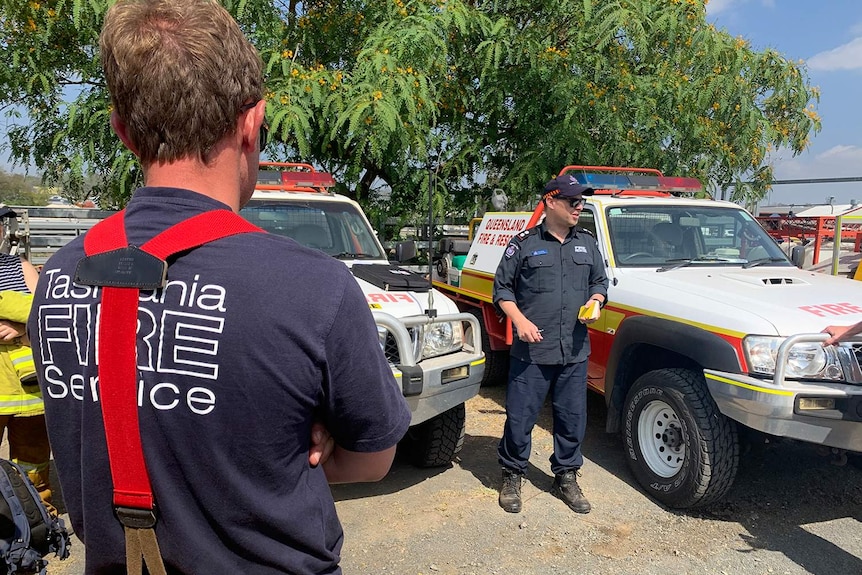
[
  {"x": 441, "y": 338},
  {"x": 805, "y": 360}
]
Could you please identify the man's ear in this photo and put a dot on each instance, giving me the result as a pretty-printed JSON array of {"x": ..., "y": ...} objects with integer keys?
[
  {"x": 120, "y": 128},
  {"x": 249, "y": 126}
]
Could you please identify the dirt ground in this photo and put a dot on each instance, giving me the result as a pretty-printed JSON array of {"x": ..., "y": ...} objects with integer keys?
[{"x": 791, "y": 511}]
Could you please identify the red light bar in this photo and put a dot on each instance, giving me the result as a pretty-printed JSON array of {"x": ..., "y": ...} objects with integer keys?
[
  {"x": 631, "y": 181},
  {"x": 307, "y": 179},
  {"x": 673, "y": 184}
]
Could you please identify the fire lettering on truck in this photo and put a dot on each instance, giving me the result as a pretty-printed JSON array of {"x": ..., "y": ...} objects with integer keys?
[
  {"x": 388, "y": 297},
  {"x": 828, "y": 309}
]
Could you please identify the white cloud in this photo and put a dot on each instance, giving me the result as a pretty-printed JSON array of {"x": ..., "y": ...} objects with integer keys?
[
  {"x": 851, "y": 155},
  {"x": 845, "y": 57},
  {"x": 716, "y": 6},
  {"x": 837, "y": 161},
  {"x": 840, "y": 161}
]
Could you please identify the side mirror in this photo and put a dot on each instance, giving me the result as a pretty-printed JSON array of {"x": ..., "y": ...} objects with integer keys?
[
  {"x": 405, "y": 251},
  {"x": 797, "y": 256}
]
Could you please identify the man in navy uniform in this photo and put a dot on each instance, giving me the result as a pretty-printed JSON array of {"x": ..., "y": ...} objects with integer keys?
[
  {"x": 253, "y": 342},
  {"x": 546, "y": 274}
]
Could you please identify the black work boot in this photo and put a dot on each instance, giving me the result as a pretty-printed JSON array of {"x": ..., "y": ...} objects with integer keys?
[
  {"x": 510, "y": 491},
  {"x": 566, "y": 488}
]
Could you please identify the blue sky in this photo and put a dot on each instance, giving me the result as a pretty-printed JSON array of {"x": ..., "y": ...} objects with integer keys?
[{"x": 827, "y": 34}]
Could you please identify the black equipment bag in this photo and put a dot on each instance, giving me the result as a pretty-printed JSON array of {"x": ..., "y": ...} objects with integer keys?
[
  {"x": 391, "y": 278},
  {"x": 27, "y": 531}
]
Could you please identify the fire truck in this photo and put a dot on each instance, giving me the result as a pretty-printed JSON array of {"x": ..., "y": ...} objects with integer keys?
[
  {"x": 433, "y": 348},
  {"x": 709, "y": 330}
]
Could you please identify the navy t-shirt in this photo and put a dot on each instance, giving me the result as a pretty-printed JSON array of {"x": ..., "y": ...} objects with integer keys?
[{"x": 252, "y": 339}]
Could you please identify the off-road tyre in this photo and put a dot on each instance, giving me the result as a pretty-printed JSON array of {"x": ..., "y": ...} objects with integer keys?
[
  {"x": 496, "y": 361},
  {"x": 436, "y": 442},
  {"x": 681, "y": 449}
]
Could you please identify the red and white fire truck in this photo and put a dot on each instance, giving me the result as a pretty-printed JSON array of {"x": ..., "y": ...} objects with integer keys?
[{"x": 708, "y": 327}]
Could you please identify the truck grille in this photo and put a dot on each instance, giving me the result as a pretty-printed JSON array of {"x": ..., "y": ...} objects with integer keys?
[
  {"x": 390, "y": 348},
  {"x": 855, "y": 371}
]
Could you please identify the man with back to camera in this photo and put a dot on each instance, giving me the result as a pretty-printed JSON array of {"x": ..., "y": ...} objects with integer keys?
[
  {"x": 544, "y": 277},
  {"x": 252, "y": 341}
]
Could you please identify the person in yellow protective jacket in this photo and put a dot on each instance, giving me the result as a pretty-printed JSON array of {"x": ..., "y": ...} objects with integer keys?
[{"x": 22, "y": 411}]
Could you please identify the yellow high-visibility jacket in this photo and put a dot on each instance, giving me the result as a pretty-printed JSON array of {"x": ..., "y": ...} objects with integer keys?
[{"x": 16, "y": 362}]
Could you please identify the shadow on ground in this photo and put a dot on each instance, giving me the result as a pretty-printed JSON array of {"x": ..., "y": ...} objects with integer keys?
[{"x": 783, "y": 494}]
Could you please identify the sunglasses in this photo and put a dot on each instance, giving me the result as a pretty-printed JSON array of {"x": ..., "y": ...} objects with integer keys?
[
  {"x": 574, "y": 202},
  {"x": 263, "y": 136}
]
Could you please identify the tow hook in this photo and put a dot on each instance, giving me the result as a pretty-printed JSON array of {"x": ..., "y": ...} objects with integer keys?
[{"x": 836, "y": 456}]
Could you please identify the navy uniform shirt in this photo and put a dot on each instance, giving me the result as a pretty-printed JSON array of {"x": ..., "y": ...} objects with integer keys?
[
  {"x": 253, "y": 338},
  {"x": 550, "y": 281}
]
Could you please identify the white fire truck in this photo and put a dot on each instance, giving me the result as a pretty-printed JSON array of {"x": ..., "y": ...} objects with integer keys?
[
  {"x": 433, "y": 348},
  {"x": 709, "y": 329}
]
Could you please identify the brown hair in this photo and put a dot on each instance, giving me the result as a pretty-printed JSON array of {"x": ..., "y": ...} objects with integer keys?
[{"x": 178, "y": 72}]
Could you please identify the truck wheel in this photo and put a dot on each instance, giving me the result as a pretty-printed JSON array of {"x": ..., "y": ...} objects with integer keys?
[
  {"x": 681, "y": 449},
  {"x": 436, "y": 442},
  {"x": 496, "y": 361}
]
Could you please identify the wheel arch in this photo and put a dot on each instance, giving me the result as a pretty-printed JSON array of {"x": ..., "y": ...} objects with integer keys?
[{"x": 646, "y": 343}]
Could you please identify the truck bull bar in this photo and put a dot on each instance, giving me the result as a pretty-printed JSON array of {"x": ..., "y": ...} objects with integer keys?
[{"x": 412, "y": 381}]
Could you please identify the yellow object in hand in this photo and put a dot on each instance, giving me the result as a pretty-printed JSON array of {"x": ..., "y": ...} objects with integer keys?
[{"x": 590, "y": 311}]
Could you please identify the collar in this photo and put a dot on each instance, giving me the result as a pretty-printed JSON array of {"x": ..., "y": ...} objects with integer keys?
[
  {"x": 179, "y": 196},
  {"x": 546, "y": 235}
]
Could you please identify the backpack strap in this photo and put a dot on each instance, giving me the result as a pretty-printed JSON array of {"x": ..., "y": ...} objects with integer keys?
[
  {"x": 122, "y": 271},
  {"x": 33, "y": 533}
]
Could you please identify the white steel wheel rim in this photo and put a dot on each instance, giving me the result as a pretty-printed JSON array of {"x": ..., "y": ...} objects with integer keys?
[{"x": 660, "y": 439}]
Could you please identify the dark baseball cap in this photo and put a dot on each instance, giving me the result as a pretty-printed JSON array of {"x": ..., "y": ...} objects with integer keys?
[
  {"x": 6, "y": 211},
  {"x": 566, "y": 186}
]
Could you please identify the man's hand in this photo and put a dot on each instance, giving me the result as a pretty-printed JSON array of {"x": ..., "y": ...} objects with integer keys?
[
  {"x": 591, "y": 311},
  {"x": 322, "y": 445},
  {"x": 528, "y": 331},
  {"x": 836, "y": 331},
  {"x": 9, "y": 330}
]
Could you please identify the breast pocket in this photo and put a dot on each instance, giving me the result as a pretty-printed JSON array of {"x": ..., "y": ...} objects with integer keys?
[
  {"x": 539, "y": 275},
  {"x": 581, "y": 263}
]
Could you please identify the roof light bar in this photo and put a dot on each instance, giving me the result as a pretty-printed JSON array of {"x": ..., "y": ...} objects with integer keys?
[
  {"x": 687, "y": 185},
  {"x": 307, "y": 179},
  {"x": 602, "y": 181},
  {"x": 297, "y": 177},
  {"x": 630, "y": 183}
]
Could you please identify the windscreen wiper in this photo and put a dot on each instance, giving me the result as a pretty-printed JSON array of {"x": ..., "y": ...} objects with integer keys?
[
  {"x": 677, "y": 263},
  {"x": 352, "y": 256},
  {"x": 761, "y": 261}
]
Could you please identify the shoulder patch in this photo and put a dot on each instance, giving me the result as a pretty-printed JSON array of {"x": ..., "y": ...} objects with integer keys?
[
  {"x": 526, "y": 233},
  {"x": 511, "y": 249}
]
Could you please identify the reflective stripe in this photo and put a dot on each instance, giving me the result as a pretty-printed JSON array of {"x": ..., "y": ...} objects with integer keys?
[
  {"x": 22, "y": 361},
  {"x": 22, "y": 404},
  {"x": 748, "y": 386}
]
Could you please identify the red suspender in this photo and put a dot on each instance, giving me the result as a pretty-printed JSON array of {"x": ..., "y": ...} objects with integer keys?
[{"x": 117, "y": 343}]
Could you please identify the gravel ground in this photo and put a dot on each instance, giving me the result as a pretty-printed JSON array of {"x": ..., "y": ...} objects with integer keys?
[{"x": 791, "y": 511}]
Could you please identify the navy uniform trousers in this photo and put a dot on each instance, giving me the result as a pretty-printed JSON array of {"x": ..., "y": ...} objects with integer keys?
[{"x": 528, "y": 386}]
